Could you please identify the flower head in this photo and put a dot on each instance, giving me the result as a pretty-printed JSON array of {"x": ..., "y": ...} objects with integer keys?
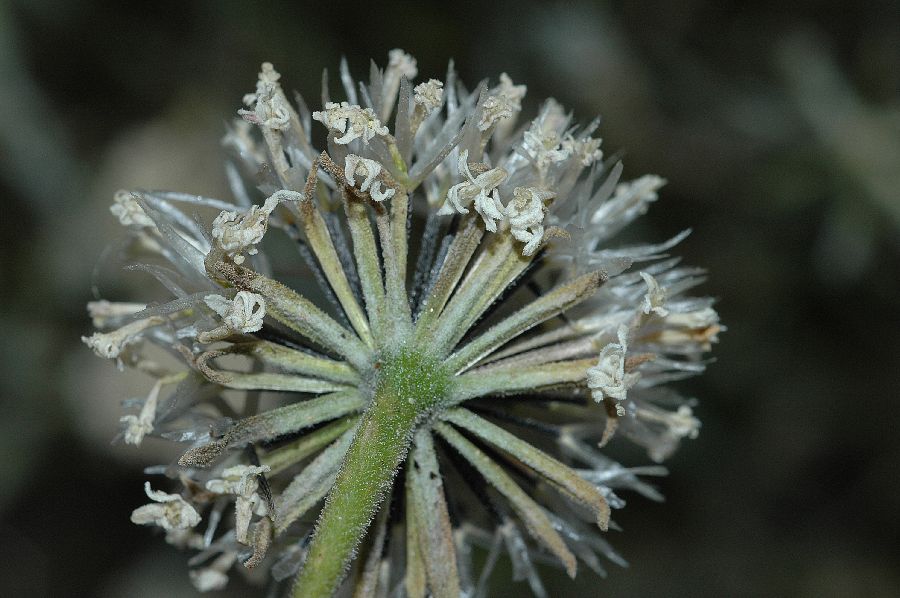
[{"x": 439, "y": 360}]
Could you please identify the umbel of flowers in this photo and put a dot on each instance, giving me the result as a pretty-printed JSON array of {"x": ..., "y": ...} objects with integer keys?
[{"x": 477, "y": 338}]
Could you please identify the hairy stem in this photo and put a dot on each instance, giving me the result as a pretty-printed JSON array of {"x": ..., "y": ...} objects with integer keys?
[{"x": 407, "y": 388}]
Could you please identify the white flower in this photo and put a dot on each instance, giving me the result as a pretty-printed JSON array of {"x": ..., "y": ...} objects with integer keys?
[
  {"x": 168, "y": 511},
  {"x": 499, "y": 115},
  {"x": 270, "y": 106},
  {"x": 482, "y": 189},
  {"x": 242, "y": 481},
  {"x": 544, "y": 145},
  {"x": 655, "y": 298},
  {"x": 235, "y": 232},
  {"x": 185, "y": 538},
  {"x": 542, "y": 142},
  {"x": 587, "y": 149},
  {"x": 129, "y": 211},
  {"x": 676, "y": 425},
  {"x": 608, "y": 377},
  {"x": 239, "y": 480},
  {"x": 701, "y": 318},
  {"x": 137, "y": 426},
  {"x": 111, "y": 344},
  {"x": 351, "y": 120},
  {"x": 683, "y": 424},
  {"x": 101, "y": 312},
  {"x": 526, "y": 216},
  {"x": 644, "y": 188},
  {"x": 400, "y": 64},
  {"x": 209, "y": 579},
  {"x": 630, "y": 195},
  {"x": 429, "y": 95},
  {"x": 244, "y": 313},
  {"x": 368, "y": 169},
  {"x": 495, "y": 109},
  {"x": 500, "y": 109},
  {"x": 213, "y": 577},
  {"x": 513, "y": 93},
  {"x": 697, "y": 328}
]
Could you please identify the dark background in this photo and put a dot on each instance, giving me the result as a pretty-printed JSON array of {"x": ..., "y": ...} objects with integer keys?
[{"x": 777, "y": 125}]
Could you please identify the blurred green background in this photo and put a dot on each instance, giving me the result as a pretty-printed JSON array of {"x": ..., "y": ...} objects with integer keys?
[{"x": 777, "y": 125}]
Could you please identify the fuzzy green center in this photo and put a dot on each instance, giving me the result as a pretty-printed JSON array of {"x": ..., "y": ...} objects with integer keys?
[{"x": 412, "y": 380}]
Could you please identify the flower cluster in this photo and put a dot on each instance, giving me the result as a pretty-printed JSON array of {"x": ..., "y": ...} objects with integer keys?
[{"x": 452, "y": 386}]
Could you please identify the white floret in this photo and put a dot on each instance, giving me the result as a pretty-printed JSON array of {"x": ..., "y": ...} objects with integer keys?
[
  {"x": 168, "y": 511},
  {"x": 351, "y": 121},
  {"x": 586, "y": 149},
  {"x": 400, "y": 64},
  {"x": 526, "y": 216},
  {"x": 701, "y": 318},
  {"x": 213, "y": 577},
  {"x": 429, "y": 95},
  {"x": 481, "y": 189},
  {"x": 245, "y": 313},
  {"x": 514, "y": 93},
  {"x": 242, "y": 482},
  {"x": 542, "y": 142},
  {"x": 655, "y": 298},
  {"x": 237, "y": 232},
  {"x": 670, "y": 428},
  {"x": 608, "y": 377},
  {"x": 138, "y": 426},
  {"x": 129, "y": 211},
  {"x": 111, "y": 344},
  {"x": 103, "y": 312},
  {"x": 496, "y": 108},
  {"x": 630, "y": 196},
  {"x": 368, "y": 169},
  {"x": 270, "y": 107}
]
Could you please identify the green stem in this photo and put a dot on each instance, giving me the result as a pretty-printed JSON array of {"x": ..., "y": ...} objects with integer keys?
[{"x": 407, "y": 388}]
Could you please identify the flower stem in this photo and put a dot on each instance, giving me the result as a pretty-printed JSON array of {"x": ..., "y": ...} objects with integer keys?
[{"x": 408, "y": 386}]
